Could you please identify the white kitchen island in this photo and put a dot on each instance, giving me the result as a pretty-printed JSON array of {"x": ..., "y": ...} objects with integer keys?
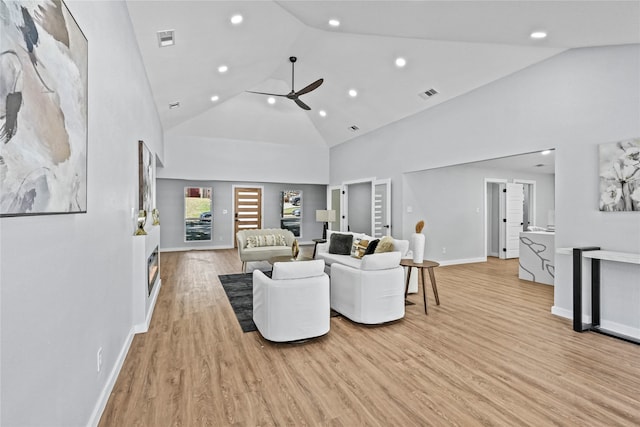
[{"x": 537, "y": 256}]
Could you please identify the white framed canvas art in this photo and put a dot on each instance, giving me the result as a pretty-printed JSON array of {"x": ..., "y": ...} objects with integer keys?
[
  {"x": 43, "y": 110},
  {"x": 620, "y": 176}
]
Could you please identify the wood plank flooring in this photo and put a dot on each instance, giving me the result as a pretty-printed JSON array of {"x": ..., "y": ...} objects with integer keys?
[{"x": 490, "y": 355}]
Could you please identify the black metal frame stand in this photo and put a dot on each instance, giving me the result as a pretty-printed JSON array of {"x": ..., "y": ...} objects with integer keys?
[{"x": 594, "y": 326}]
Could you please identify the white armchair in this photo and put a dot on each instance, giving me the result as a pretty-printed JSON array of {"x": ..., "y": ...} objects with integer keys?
[
  {"x": 293, "y": 304},
  {"x": 372, "y": 294}
]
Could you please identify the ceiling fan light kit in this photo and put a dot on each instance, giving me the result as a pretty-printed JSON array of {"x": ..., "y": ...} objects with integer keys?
[{"x": 293, "y": 95}]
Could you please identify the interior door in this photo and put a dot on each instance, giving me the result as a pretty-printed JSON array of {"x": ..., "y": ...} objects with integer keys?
[
  {"x": 381, "y": 208},
  {"x": 247, "y": 208},
  {"x": 513, "y": 218},
  {"x": 335, "y": 204}
]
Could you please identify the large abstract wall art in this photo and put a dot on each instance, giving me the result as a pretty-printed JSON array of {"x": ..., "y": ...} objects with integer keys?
[
  {"x": 620, "y": 176},
  {"x": 43, "y": 109}
]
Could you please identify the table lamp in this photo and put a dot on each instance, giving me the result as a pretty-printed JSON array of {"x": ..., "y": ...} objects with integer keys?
[{"x": 325, "y": 216}]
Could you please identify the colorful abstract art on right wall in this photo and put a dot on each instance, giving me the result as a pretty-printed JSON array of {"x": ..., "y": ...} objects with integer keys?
[{"x": 620, "y": 176}]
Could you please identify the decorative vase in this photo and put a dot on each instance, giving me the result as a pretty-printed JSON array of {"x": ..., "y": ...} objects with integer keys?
[
  {"x": 142, "y": 220},
  {"x": 417, "y": 242},
  {"x": 295, "y": 249},
  {"x": 155, "y": 214}
]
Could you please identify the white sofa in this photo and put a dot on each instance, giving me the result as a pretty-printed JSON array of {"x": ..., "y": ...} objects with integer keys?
[
  {"x": 402, "y": 246},
  {"x": 322, "y": 251},
  {"x": 293, "y": 304},
  {"x": 372, "y": 293},
  {"x": 370, "y": 289},
  {"x": 262, "y": 253}
]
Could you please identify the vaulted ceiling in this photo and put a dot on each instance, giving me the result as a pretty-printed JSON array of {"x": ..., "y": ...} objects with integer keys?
[{"x": 450, "y": 46}]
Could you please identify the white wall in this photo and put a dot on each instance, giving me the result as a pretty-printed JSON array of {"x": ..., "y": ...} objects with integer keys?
[
  {"x": 197, "y": 158},
  {"x": 171, "y": 205},
  {"x": 66, "y": 280},
  {"x": 451, "y": 202},
  {"x": 571, "y": 102}
]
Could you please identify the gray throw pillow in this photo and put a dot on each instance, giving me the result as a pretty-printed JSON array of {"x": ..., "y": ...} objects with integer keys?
[{"x": 340, "y": 244}]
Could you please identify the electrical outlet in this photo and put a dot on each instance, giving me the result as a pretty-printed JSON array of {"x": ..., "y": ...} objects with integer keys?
[
  {"x": 99, "y": 359},
  {"x": 444, "y": 250}
]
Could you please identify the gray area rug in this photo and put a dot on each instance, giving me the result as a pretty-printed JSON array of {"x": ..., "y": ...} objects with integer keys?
[{"x": 239, "y": 290}]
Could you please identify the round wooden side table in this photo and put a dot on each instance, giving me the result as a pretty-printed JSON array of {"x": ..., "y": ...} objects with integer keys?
[{"x": 428, "y": 265}]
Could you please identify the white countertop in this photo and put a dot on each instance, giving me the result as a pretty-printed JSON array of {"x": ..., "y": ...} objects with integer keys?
[{"x": 544, "y": 233}]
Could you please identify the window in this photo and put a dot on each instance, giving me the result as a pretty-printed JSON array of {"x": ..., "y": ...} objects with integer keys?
[
  {"x": 198, "y": 219},
  {"x": 291, "y": 212}
]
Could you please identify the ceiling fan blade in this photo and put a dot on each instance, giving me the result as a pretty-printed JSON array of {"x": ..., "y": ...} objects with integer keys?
[
  {"x": 265, "y": 93},
  {"x": 313, "y": 86},
  {"x": 302, "y": 104}
]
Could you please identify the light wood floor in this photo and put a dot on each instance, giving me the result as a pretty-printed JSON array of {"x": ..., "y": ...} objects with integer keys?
[{"x": 491, "y": 354}]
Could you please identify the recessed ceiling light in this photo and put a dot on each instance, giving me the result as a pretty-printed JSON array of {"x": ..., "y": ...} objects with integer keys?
[
  {"x": 401, "y": 62},
  {"x": 322, "y": 113},
  {"x": 223, "y": 69},
  {"x": 236, "y": 19},
  {"x": 353, "y": 93},
  {"x": 271, "y": 100},
  {"x": 215, "y": 98},
  {"x": 545, "y": 152},
  {"x": 334, "y": 22},
  {"x": 173, "y": 105},
  {"x": 538, "y": 35}
]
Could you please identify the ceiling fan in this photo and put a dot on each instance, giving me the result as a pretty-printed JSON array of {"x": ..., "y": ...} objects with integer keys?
[{"x": 293, "y": 95}]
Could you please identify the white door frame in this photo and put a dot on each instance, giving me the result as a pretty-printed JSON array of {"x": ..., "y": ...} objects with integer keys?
[
  {"x": 343, "y": 191},
  {"x": 511, "y": 206},
  {"x": 345, "y": 200},
  {"x": 532, "y": 207},
  {"x": 386, "y": 182},
  {"x": 486, "y": 210}
]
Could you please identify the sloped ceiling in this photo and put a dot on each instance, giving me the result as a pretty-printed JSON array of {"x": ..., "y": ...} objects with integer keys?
[{"x": 452, "y": 46}]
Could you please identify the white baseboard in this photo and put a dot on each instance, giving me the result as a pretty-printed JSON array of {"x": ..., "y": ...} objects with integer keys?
[
  {"x": 111, "y": 381},
  {"x": 562, "y": 312},
  {"x": 113, "y": 375},
  {"x": 604, "y": 324},
  {"x": 199, "y": 248},
  {"x": 462, "y": 261},
  {"x": 214, "y": 247},
  {"x": 621, "y": 329}
]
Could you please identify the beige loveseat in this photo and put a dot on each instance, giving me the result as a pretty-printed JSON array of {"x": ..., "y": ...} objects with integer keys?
[{"x": 262, "y": 244}]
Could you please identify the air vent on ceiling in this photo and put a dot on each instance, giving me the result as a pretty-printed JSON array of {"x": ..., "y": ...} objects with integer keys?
[
  {"x": 354, "y": 128},
  {"x": 166, "y": 38},
  {"x": 174, "y": 105},
  {"x": 428, "y": 93}
]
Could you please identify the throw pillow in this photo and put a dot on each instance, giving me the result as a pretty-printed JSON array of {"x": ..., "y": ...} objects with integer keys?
[
  {"x": 340, "y": 244},
  {"x": 385, "y": 245},
  {"x": 371, "y": 247},
  {"x": 359, "y": 248},
  {"x": 258, "y": 241},
  {"x": 354, "y": 246}
]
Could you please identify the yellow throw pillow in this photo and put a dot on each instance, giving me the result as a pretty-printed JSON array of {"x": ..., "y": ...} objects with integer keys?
[{"x": 385, "y": 245}]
